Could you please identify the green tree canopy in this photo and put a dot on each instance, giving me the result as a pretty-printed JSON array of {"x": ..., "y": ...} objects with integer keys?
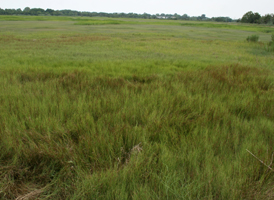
[{"x": 251, "y": 17}]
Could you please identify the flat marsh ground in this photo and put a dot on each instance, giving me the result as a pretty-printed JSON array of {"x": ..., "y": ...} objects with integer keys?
[{"x": 99, "y": 108}]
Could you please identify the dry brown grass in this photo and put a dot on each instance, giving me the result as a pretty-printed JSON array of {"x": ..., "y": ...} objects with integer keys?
[{"x": 31, "y": 195}]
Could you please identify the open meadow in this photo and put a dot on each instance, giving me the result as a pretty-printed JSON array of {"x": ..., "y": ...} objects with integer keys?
[{"x": 105, "y": 108}]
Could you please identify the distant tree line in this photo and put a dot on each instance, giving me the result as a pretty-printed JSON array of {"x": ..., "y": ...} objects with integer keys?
[
  {"x": 51, "y": 12},
  {"x": 251, "y": 17}
]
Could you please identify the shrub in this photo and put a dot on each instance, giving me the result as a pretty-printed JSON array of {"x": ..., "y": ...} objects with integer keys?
[{"x": 252, "y": 38}]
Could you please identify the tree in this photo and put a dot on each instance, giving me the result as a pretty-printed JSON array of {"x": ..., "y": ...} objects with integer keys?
[
  {"x": 37, "y": 11},
  {"x": 257, "y": 17},
  {"x": 251, "y": 17},
  {"x": 247, "y": 17},
  {"x": 26, "y": 10},
  {"x": 10, "y": 11},
  {"x": 57, "y": 13},
  {"x": 49, "y": 11},
  {"x": 185, "y": 17},
  {"x": 267, "y": 19},
  {"x": 19, "y": 11},
  {"x": 2, "y": 11}
]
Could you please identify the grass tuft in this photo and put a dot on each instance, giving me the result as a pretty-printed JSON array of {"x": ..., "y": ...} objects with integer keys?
[{"x": 253, "y": 38}]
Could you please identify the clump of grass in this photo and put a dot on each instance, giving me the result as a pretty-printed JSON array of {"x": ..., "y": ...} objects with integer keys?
[
  {"x": 270, "y": 45},
  {"x": 253, "y": 38}
]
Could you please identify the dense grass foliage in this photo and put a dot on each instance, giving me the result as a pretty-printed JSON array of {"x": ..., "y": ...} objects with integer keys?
[
  {"x": 105, "y": 20},
  {"x": 252, "y": 38},
  {"x": 236, "y": 26},
  {"x": 270, "y": 45},
  {"x": 134, "y": 111}
]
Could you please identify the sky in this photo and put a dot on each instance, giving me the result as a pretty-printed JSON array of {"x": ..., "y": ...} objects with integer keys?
[{"x": 211, "y": 8}]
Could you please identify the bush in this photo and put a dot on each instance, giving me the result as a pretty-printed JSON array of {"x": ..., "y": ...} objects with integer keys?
[{"x": 252, "y": 38}]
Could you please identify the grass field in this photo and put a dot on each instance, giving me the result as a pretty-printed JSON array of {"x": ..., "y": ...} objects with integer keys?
[{"x": 98, "y": 108}]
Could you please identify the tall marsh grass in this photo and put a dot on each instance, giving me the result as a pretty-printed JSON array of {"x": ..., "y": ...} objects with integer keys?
[
  {"x": 270, "y": 45},
  {"x": 73, "y": 136},
  {"x": 133, "y": 112}
]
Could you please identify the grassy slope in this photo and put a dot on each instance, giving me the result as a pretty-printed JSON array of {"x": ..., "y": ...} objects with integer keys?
[{"x": 134, "y": 111}]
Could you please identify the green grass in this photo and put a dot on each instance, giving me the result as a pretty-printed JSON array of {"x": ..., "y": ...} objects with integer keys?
[
  {"x": 136, "y": 110},
  {"x": 236, "y": 26},
  {"x": 252, "y": 38},
  {"x": 101, "y": 22}
]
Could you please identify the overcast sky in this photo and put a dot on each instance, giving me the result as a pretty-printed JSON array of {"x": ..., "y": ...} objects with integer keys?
[{"x": 212, "y": 8}]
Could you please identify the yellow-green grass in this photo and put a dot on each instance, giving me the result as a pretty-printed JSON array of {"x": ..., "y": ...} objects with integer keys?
[{"x": 134, "y": 111}]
